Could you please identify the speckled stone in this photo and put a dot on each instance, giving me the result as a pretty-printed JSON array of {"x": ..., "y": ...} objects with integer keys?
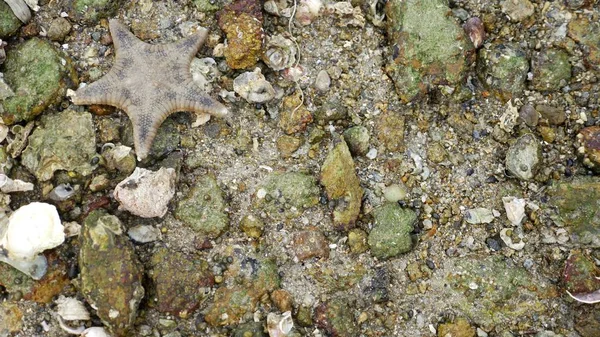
[
  {"x": 390, "y": 235},
  {"x": 203, "y": 208},
  {"x": 524, "y": 157},
  {"x": 551, "y": 114},
  {"x": 357, "y": 138},
  {"x": 551, "y": 69},
  {"x": 336, "y": 319},
  {"x": 309, "y": 244},
  {"x": 503, "y": 67},
  {"x": 588, "y": 147},
  {"x": 517, "y": 10},
  {"x": 59, "y": 28},
  {"x": 252, "y": 226},
  {"x": 287, "y": 145},
  {"x": 457, "y": 328}
]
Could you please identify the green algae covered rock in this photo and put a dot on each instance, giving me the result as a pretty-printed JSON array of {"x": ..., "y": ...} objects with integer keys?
[
  {"x": 357, "y": 138},
  {"x": 92, "y": 11},
  {"x": 429, "y": 47},
  {"x": 458, "y": 328},
  {"x": 503, "y": 67},
  {"x": 390, "y": 235},
  {"x": 299, "y": 190},
  {"x": 580, "y": 273},
  {"x": 181, "y": 282},
  {"x": 207, "y": 5},
  {"x": 503, "y": 291},
  {"x": 203, "y": 208},
  {"x": 342, "y": 186},
  {"x": 9, "y": 23},
  {"x": 111, "y": 276},
  {"x": 254, "y": 278},
  {"x": 335, "y": 317},
  {"x": 576, "y": 205},
  {"x": 39, "y": 75},
  {"x": 64, "y": 141},
  {"x": 551, "y": 69}
]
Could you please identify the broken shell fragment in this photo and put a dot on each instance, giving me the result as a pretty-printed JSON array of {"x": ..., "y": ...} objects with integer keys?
[
  {"x": 279, "y": 325},
  {"x": 147, "y": 193},
  {"x": 95, "y": 332},
  {"x": 8, "y": 185},
  {"x": 515, "y": 209},
  {"x": 20, "y": 9},
  {"x": 253, "y": 87},
  {"x": 507, "y": 236},
  {"x": 71, "y": 309},
  {"x": 31, "y": 229},
  {"x": 476, "y": 31},
  {"x": 280, "y": 53}
]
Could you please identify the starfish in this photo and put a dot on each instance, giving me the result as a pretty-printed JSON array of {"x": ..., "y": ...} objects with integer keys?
[{"x": 150, "y": 82}]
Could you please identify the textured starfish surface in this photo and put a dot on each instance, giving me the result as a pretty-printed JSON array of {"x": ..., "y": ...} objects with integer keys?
[{"x": 150, "y": 82}]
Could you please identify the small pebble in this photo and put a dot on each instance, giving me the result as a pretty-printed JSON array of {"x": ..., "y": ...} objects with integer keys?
[{"x": 323, "y": 82}]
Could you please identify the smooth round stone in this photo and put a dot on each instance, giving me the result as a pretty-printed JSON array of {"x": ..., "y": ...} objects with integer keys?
[{"x": 395, "y": 192}]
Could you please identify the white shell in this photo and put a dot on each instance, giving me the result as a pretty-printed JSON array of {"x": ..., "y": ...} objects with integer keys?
[
  {"x": 95, "y": 332},
  {"x": 279, "y": 325},
  {"x": 515, "y": 209},
  {"x": 32, "y": 229},
  {"x": 509, "y": 242},
  {"x": 71, "y": 309},
  {"x": 8, "y": 185},
  {"x": 253, "y": 87},
  {"x": 147, "y": 193}
]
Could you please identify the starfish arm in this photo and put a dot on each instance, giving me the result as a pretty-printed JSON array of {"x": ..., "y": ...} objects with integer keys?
[
  {"x": 123, "y": 38},
  {"x": 189, "y": 46},
  {"x": 191, "y": 98},
  {"x": 145, "y": 126}
]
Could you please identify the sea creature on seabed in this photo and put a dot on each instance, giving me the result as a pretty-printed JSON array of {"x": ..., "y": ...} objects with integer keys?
[{"x": 150, "y": 82}]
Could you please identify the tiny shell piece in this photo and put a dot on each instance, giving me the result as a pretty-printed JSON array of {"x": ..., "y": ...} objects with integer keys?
[
  {"x": 147, "y": 193},
  {"x": 71, "y": 309},
  {"x": 8, "y": 185},
  {"x": 279, "y": 325},
  {"x": 253, "y": 87},
  {"x": 508, "y": 240},
  {"x": 515, "y": 209}
]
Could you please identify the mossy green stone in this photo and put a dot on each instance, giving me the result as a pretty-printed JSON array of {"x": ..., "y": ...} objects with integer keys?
[
  {"x": 64, "y": 141},
  {"x": 504, "y": 291},
  {"x": 39, "y": 75},
  {"x": 429, "y": 47},
  {"x": 551, "y": 69},
  {"x": 207, "y": 5},
  {"x": 357, "y": 138},
  {"x": 295, "y": 188},
  {"x": 503, "y": 67},
  {"x": 577, "y": 205},
  {"x": 93, "y": 10},
  {"x": 390, "y": 235},
  {"x": 9, "y": 23},
  {"x": 203, "y": 208}
]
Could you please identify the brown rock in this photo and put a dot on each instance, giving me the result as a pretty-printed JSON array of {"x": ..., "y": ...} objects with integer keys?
[
  {"x": 282, "y": 300},
  {"x": 309, "y": 244}
]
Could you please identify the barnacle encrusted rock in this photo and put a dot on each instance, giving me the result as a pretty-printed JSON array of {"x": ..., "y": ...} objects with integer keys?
[
  {"x": 428, "y": 46},
  {"x": 64, "y": 141},
  {"x": 342, "y": 185},
  {"x": 296, "y": 190},
  {"x": 111, "y": 276},
  {"x": 203, "y": 208},
  {"x": 39, "y": 75},
  {"x": 242, "y": 22}
]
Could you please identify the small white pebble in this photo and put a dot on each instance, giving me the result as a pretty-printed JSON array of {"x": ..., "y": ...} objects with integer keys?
[
  {"x": 261, "y": 193},
  {"x": 372, "y": 154}
]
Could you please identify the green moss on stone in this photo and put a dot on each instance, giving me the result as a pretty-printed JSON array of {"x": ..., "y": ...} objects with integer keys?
[
  {"x": 203, "y": 208},
  {"x": 39, "y": 76},
  {"x": 9, "y": 23},
  {"x": 93, "y": 10},
  {"x": 390, "y": 235}
]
